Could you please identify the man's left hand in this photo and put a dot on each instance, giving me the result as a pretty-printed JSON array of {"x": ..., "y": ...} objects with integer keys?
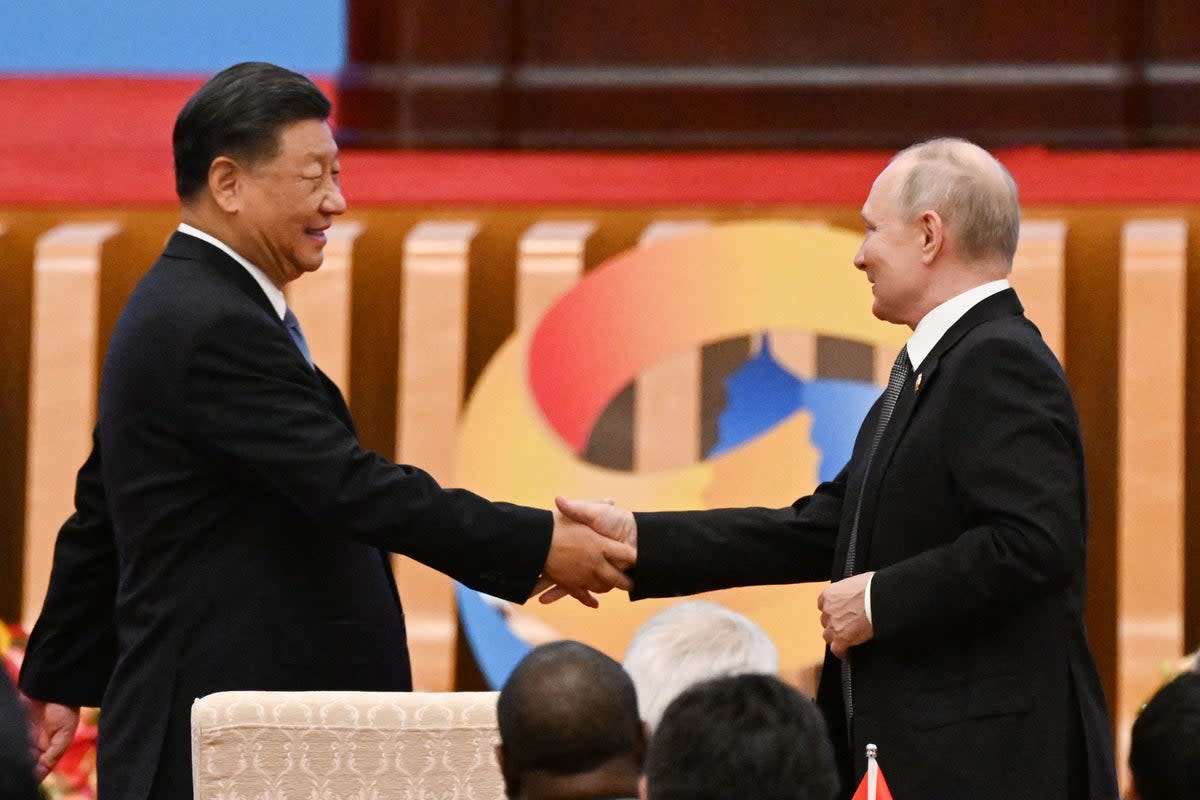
[
  {"x": 52, "y": 729},
  {"x": 844, "y": 613}
]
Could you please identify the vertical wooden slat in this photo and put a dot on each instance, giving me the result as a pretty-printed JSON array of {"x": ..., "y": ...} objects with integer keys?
[
  {"x": 321, "y": 301},
  {"x": 433, "y": 343},
  {"x": 433, "y": 332},
  {"x": 1150, "y": 395},
  {"x": 15, "y": 281},
  {"x": 796, "y": 351},
  {"x": 666, "y": 416},
  {"x": 1039, "y": 276},
  {"x": 884, "y": 357},
  {"x": 550, "y": 259},
  {"x": 62, "y": 392}
]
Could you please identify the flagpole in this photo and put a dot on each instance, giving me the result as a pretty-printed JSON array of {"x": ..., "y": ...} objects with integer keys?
[{"x": 872, "y": 772}]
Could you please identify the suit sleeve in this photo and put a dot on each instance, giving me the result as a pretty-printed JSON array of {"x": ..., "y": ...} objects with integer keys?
[
  {"x": 1016, "y": 466},
  {"x": 254, "y": 406},
  {"x": 685, "y": 552},
  {"x": 72, "y": 648}
]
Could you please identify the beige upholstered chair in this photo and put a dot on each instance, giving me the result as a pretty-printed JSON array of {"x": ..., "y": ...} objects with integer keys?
[{"x": 345, "y": 746}]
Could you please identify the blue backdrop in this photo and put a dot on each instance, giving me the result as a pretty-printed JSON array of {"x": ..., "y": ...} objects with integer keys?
[{"x": 169, "y": 37}]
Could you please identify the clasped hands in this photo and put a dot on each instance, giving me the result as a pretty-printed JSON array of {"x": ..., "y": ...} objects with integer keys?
[{"x": 593, "y": 543}]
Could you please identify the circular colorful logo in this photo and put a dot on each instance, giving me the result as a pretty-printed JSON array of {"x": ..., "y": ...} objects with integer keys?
[{"x": 528, "y": 420}]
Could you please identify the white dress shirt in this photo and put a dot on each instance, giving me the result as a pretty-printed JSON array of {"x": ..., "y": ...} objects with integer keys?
[{"x": 273, "y": 292}]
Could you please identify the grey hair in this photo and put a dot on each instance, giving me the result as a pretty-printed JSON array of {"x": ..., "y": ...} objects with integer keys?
[
  {"x": 972, "y": 191},
  {"x": 692, "y": 642}
]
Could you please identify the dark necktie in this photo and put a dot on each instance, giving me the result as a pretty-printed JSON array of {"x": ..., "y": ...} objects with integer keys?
[
  {"x": 901, "y": 369},
  {"x": 293, "y": 328}
]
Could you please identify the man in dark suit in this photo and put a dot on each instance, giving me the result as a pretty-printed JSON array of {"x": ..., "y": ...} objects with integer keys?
[
  {"x": 955, "y": 536},
  {"x": 229, "y": 529}
]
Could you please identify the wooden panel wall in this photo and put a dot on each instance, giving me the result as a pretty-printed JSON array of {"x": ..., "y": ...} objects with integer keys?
[{"x": 769, "y": 73}]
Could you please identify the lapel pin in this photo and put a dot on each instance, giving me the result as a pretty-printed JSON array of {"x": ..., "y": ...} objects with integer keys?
[{"x": 920, "y": 379}]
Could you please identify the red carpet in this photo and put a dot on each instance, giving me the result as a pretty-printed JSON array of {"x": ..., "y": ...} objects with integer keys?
[{"x": 99, "y": 141}]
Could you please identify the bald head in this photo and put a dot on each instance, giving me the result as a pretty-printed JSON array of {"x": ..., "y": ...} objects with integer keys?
[
  {"x": 973, "y": 193},
  {"x": 568, "y": 708}
]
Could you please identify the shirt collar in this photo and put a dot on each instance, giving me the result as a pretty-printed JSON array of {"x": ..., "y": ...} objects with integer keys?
[
  {"x": 274, "y": 293},
  {"x": 933, "y": 326}
]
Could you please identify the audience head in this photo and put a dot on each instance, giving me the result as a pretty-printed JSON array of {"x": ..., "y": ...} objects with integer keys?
[
  {"x": 239, "y": 113},
  {"x": 1164, "y": 752},
  {"x": 569, "y": 726},
  {"x": 738, "y": 737},
  {"x": 691, "y": 642}
]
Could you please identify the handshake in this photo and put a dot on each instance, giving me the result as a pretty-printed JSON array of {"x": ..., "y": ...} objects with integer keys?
[{"x": 594, "y": 542}]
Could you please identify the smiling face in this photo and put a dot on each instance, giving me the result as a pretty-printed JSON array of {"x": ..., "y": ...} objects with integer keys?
[
  {"x": 891, "y": 253},
  {"x": 285, "y": 204}
]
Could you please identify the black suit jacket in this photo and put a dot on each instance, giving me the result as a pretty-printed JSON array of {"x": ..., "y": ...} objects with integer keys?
[
  {"x": 978, "y": 682},
  {"x": 229, "y": 531}
]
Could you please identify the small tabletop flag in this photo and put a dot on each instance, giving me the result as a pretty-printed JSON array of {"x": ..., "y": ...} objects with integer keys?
[{"x": 873, "y": 786}]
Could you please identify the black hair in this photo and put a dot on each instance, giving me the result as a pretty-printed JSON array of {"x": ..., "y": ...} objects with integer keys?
[
  {"x": 1164, "y": 751},
  {"x": 741, "y": 736},
  {"x": 568, "y": 708},
  {"x": 239, "y": 113}
]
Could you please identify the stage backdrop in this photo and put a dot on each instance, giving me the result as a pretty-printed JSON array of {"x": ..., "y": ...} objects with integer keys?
[
  {"x": 151, "y": 37},
  {"x": 728, "y": 278}
]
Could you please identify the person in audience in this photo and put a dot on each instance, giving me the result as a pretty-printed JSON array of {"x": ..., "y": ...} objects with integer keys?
[
  {"x": 1164, "y": 750},
  {"x": 740, "y": 736},
  {"x": 16, "y": 765},
  {"x": 230, "y": 531},
  {"x": 690, "y": 642},
  {"x": 569, "y": 727}
]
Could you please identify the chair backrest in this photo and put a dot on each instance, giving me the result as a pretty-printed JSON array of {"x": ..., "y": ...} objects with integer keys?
[{"x": 345, "y": 746}]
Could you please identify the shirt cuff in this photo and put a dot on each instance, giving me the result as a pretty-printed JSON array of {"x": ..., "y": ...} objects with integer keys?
[{"x": 867, "y": 599}]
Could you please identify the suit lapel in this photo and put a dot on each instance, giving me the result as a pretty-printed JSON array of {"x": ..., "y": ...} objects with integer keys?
[
  {"x": 208, "y": 257},
  {"x": 189, "y": 248},
  {"x": 1001, "y": 304},
  {"x": 336, "y": 401}
]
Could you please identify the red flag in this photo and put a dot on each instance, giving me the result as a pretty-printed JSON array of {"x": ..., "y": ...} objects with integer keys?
[{"x": 873, "y": 786}]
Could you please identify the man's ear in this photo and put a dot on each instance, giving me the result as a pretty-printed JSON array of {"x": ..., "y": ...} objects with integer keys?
[
  {"x": 933, "y": 235},
  {"x": 643, "y": 791},
  {"x": 224, "y": 183}
]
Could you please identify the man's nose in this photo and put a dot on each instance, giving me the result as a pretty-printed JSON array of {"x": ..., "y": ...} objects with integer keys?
[{"x": 334, "y": 202}]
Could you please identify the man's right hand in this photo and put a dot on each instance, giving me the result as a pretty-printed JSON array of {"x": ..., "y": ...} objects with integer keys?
[
  {"x": 51, "y": 729},
  {"x": 581, "y": 561},
  {"x": 615, "y": 523}
]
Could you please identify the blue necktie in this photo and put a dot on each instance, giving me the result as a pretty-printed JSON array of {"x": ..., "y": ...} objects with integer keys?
[{"x": 293, "y": 328}]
